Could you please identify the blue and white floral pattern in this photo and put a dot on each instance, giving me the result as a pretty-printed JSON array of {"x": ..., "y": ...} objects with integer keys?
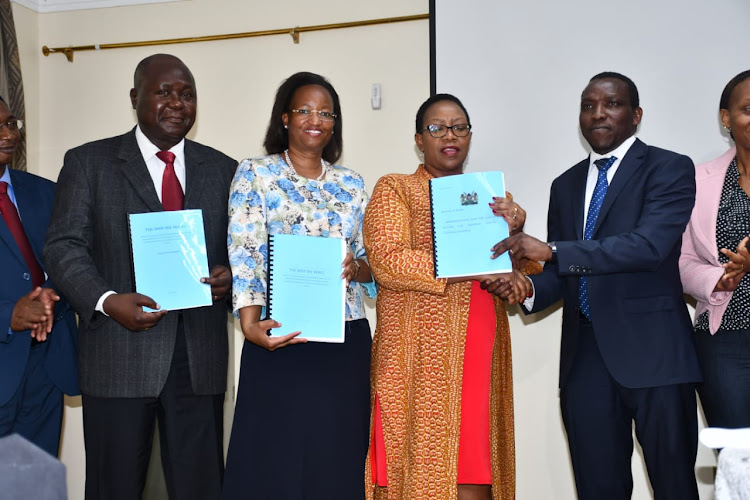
[{"x": 268, "y": 197}]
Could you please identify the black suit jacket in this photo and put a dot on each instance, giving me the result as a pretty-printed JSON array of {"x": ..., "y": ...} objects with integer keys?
[
  {"x": 640, "y": 319},
  {"x": 34, "y": 197},
  {"x": 88, "y": 251}
]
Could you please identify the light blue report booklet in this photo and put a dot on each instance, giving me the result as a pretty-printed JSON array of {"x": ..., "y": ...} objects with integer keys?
[
  {"x": 464, "y": 229},
  {"x": 169, "y": 258},
  {"x": 305, "y": 289}
]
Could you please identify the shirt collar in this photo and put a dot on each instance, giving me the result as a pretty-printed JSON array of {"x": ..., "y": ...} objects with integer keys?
[
  {"x": 6, "y": 176},
  {"x": 149, "y": 150},
  {"x": 618, "y": 153}
]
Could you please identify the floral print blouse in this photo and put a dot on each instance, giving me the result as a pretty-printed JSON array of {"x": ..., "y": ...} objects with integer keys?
[{"x": 268, "y": 197}]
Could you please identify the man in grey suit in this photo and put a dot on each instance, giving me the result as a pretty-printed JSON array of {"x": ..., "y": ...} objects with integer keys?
[{"x": 136, "y": 365}]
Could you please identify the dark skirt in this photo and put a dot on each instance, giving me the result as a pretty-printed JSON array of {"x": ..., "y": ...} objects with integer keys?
[{"x": 301, "y": 422}]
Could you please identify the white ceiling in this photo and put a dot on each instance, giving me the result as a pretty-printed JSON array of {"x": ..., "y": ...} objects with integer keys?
[{"x": 60, "y": 5}]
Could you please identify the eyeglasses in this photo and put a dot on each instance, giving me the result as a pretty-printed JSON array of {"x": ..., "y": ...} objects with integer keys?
[
  {"x": 438, "y": 131},
  {"x": 12, "y": 124},
  {"x": 325, "y": 116}
]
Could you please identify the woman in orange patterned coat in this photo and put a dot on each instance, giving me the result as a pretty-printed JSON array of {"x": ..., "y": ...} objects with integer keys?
[{"x": 442, "y": 384}]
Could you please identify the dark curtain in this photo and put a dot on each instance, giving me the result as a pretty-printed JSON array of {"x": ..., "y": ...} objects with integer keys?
[{"x": 11, "y": 83}]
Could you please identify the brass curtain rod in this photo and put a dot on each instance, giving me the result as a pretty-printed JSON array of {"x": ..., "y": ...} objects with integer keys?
[{"x": 294, "y": 32}]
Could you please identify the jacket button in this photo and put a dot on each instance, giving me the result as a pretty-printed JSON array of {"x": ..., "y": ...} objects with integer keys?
[
  {"x": 572, "y": 269},
  {"x": 26, "y": 276}
]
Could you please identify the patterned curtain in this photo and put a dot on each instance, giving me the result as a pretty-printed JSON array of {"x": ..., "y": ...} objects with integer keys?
[{"x": 11, "y": 83}]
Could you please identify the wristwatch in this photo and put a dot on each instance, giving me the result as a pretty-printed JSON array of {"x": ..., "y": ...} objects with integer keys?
[{"x": 553, "y": 246}]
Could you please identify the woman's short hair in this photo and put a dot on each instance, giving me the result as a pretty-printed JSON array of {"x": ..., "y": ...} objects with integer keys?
[
  {"x": 277, "y": 137},
  {"x": 727, "y": 93},
  {"x": 432, "y": 100}
]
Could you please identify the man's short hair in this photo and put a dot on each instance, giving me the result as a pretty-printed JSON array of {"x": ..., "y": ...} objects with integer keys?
[
  {"x": 138, "y": 73},
  {"x": 632, "y": 89}
]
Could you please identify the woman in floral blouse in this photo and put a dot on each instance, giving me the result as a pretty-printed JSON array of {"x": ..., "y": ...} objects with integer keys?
[{"x": 301, "y": 421}]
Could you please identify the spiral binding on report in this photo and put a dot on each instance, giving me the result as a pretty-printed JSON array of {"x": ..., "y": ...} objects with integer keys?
[
  {"x": 269, "y": 280},
  {"x": 432, "y": 225}
]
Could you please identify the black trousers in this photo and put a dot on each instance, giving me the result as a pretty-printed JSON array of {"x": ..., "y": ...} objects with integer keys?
[
  {"x": 118, "y": 433},
  {"x": 598, "y": 414},
  {"x": 725, "y": 363}
]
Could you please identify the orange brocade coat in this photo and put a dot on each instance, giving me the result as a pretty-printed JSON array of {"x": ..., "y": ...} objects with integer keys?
[{"x": 418, "y": 352}]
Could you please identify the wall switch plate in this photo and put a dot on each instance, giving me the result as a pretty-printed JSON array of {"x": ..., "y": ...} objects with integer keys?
[{"x": 376, "y": 96}]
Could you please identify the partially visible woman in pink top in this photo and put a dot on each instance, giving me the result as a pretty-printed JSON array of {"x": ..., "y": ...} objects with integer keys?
[{"x": 714, "y": 265}]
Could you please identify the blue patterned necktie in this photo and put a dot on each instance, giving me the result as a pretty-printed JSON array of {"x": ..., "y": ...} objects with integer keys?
[{"x": 595, "y": 205}]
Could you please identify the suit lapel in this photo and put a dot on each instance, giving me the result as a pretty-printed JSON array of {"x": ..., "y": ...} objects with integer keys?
[
  {"x": 32, "y": 219},
  {"x": 7, "y": 238},
  {"x": 707, "y": 200},
  {"x": 578, "y": 195},
  {"x": 628, "y": 166},
  {"x": 134, "y": 169},
  {"x": 196, "y": 175}
]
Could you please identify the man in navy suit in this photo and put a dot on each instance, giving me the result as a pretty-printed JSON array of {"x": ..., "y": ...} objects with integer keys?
[
  {"x": 37, "y": 328},
  {"x": 627, "y": 352}
]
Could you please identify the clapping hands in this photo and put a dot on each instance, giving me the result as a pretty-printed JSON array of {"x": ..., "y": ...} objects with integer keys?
[
  {"x": 35, "y": 311},
  {"x": 736, "y": 268}
]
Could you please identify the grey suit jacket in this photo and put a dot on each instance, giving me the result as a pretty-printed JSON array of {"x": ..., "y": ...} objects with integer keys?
[{"x": 88, "y": 253}]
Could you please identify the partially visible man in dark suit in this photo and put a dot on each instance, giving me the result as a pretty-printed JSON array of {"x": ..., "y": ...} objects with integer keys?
[
  {"x": 135, "y": 365},
  {"x": 37, "y": 328},
  {"x": 614, "y": 225}
]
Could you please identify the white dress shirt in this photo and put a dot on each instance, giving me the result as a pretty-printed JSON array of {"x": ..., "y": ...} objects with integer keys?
[
  {"x": 155, "y": 165},
  {"x": 593, "y": 174}
]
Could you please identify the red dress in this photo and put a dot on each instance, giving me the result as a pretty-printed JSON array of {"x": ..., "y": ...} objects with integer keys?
[{"x": 474, "y": 465}]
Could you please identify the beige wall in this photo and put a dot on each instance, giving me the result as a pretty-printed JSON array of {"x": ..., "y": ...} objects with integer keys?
[{"x": 72, "y": 103}]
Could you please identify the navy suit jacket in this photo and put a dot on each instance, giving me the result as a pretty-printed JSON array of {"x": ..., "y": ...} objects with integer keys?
[
  {"x": 638, "y": 312},
  {"x": 34, "y": 196}
]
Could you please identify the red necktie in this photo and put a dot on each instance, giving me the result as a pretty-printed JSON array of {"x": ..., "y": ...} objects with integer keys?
[
  {"x": 13, "y": 221},
  {"x": 171, "y": 190}
]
